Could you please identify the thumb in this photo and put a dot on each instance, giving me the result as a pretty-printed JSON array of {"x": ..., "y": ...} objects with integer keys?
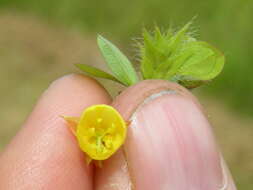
[{"x": 170, "y": 144}]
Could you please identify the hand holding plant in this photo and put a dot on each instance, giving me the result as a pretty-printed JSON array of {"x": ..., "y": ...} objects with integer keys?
[{"x": 169, "y": 143}]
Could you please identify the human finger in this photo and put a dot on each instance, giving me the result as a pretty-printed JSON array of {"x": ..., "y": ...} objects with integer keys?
[
  {"x": 44, "y": 154},
  {"x": 170, "y": 144}
]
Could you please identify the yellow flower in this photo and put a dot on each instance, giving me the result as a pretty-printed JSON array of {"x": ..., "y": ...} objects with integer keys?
[{"x": 100, "y": 131}]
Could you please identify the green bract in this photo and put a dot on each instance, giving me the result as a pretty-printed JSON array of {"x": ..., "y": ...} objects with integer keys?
[{"x": 173, "y": 55}]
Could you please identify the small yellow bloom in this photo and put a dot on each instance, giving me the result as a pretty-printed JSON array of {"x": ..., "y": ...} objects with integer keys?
[{"x": 100, "y": 131}]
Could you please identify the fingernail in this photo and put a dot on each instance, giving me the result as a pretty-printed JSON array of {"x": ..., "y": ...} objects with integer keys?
[{"x": 171, "y": 146}]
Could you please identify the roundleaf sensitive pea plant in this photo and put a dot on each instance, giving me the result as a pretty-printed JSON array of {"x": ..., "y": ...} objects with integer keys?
[{"x": 171, "y": 55}]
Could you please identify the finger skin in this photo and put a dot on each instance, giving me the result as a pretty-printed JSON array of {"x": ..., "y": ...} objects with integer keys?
[
  {"x": 165, "y": 147},
  {"x": 44, "y": 154}
]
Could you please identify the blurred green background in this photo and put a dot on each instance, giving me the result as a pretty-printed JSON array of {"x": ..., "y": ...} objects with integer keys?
[{"x": 40, "y": 40}]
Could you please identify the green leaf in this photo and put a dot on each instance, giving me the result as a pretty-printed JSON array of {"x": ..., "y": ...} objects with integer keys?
[
  {"x": 198, "y": 64},
  {"x": 96, "y": 72},
  {"x": 117, "y": 62},
  {"x": 205, "y": 63},
  {"x": 177, "y": 41},
  {"x": 178, "y": 57},
  {"x": 159, "y": 49},
  {"x": 152, "y": 53}
]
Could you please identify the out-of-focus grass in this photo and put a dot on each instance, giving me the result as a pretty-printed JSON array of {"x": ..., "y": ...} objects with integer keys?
[
  {"x": 225, "y": 23},
  {"x": 33, "y": 54}
]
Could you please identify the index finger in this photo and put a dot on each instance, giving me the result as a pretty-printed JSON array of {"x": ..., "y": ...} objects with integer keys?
[{"x": 44, "y": 154}]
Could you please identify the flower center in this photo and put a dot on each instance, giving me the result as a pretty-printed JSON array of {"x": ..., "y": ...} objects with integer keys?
[{"x": 101, "y": 136}]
